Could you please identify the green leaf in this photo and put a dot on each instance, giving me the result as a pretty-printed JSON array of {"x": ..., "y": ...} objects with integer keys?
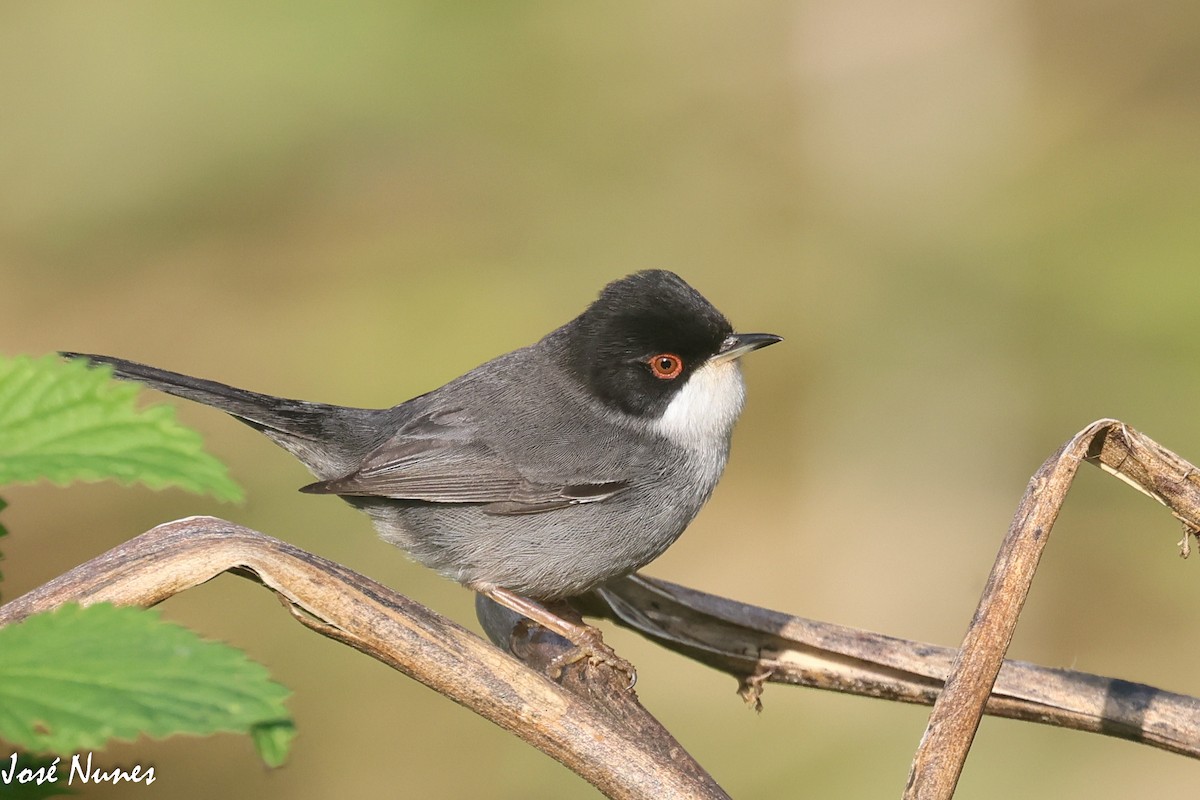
[
  {"x": 74, "y": 678},
  {"x": 62, "y": 421},
  {"x": 273, "y": 740}
]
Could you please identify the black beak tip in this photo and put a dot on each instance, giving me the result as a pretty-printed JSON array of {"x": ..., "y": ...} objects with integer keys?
[{"x": 748, "y": 342}]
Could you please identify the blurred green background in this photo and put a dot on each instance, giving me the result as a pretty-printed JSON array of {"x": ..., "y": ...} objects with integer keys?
[{"x": 974, "y": 222}]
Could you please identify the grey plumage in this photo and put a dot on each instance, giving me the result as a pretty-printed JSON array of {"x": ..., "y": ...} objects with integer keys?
[{"x": 545, "y": 471}]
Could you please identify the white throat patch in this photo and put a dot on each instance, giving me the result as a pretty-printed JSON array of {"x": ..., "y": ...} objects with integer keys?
[{"x": 701, "y": 415}]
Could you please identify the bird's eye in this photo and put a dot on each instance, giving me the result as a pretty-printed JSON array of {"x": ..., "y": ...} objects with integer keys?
[{"x": 666, "y": 366}]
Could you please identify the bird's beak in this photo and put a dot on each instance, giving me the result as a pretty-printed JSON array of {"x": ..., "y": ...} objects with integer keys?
[{"x": 737, "y": 345}]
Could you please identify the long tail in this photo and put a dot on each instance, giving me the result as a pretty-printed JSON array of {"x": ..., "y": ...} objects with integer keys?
[{"x": 329, "y": 439}]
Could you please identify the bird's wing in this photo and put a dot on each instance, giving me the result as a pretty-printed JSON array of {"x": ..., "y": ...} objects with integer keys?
[{"x": 457, "y": 467}]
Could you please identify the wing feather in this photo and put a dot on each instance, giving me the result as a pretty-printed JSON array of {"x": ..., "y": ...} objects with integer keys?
[{"x": 457, "y": 468}]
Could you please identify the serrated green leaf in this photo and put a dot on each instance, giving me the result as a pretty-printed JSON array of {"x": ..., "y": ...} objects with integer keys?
[
  {"x": 62, "y": 421},
  {"x": 74, "y": 678},
  {"x": 273, "y": 740}
]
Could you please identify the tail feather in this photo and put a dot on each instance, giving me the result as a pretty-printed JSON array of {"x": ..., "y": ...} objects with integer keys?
[{"x": 325, "y": 437}]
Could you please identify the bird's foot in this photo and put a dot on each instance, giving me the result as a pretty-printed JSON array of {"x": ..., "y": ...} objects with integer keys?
[
  {"x": 564, "y": 621},
  {"x": 590, "y": 646}
]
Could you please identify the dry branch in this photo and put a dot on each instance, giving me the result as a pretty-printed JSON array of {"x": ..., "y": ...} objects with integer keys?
[
  {"x": 598, "y": 744},
  {"x": 760, "y": 646},
  {"x": 1117, "y": 449}
]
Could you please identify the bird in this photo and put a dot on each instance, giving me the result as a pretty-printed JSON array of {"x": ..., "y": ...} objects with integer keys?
[{"x": 543, "y": 473}]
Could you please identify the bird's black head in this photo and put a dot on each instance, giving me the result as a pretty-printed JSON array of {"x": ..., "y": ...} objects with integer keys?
[{"x": 638, "y": 344}]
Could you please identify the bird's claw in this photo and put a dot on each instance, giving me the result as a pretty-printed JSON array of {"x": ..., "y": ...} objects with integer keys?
[{"x": 591, "y": 647}]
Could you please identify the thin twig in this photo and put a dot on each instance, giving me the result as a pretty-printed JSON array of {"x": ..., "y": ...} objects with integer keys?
[{"x": 1119, "y": 450}]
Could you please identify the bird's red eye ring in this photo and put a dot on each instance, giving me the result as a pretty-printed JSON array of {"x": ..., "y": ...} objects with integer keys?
[{"x": 666, "y": 366}]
